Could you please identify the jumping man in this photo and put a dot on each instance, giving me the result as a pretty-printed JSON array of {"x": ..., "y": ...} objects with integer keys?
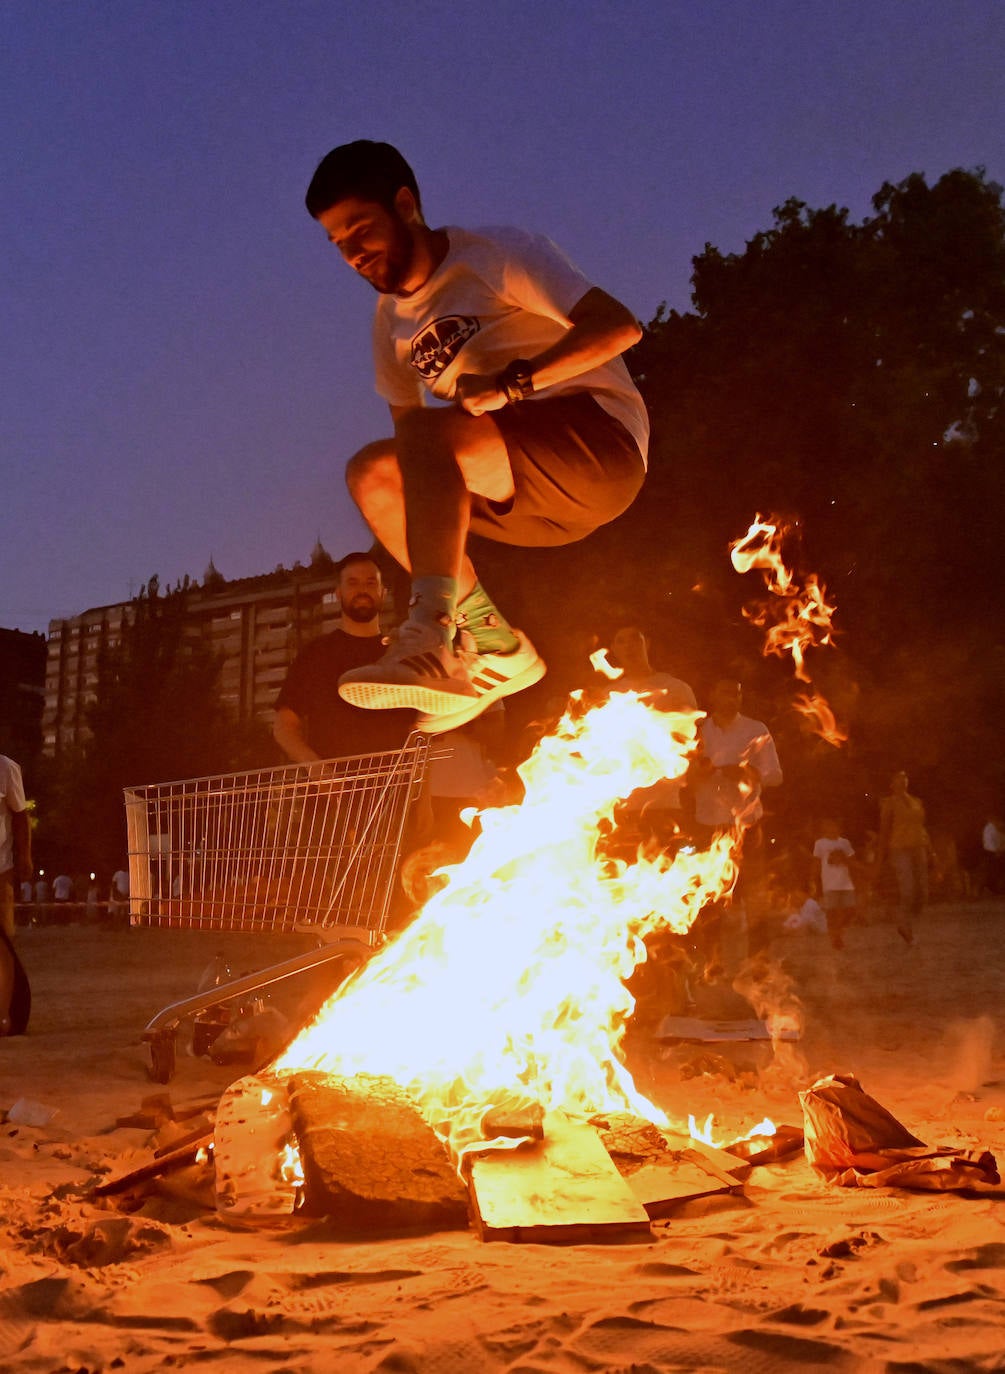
[{"x": 543, "y": 441}]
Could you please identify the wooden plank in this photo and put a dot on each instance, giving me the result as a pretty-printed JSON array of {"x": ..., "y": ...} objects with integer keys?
[
  {"x": 662, "y": 1187},
  {"x": 721, "y": 1162},
  {"x": 563, "y": 1188}
]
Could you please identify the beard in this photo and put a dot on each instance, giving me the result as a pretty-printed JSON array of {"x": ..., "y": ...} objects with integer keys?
[
  {"x": 360, "y": 609},
  {"x": 391, "y": 268}
]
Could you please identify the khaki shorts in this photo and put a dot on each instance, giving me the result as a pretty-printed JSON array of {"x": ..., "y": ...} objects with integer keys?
[
  {"x": 575, "y": 468},
  {"x": 840, "y": 899}
]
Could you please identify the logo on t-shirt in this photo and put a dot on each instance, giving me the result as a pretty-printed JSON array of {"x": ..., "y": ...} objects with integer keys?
[{"x": 436, "y": 345}]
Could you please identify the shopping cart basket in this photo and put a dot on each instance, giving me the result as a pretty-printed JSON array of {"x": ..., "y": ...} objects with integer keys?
[{"x": 303, "y": 847}]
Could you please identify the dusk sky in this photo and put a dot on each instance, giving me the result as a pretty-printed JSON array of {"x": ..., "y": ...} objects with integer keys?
[{"x": 186, "y": 361}]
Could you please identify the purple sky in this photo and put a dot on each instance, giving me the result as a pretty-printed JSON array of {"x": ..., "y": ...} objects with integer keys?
[{"x": 185, "y": 361}]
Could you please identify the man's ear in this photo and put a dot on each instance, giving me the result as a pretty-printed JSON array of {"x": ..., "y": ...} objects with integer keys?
[{"x": 404, "y": 203}]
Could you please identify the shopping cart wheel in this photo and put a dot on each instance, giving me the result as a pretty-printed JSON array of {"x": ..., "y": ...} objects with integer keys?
[{"x": 162, "y": 1055}]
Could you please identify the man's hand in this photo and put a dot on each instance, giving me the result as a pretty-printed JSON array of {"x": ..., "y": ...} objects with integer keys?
[{"x": 477, "y": 394}]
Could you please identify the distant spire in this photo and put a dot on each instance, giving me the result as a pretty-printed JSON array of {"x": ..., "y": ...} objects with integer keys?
[
  {"x": 321, "y": 559},
  {"x": 212, "y": 578}
]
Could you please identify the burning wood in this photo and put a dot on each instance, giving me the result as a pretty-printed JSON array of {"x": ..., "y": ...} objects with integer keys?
[
  {"x": 193, "y": 1151},
  {"x": 562, "y": 1188}
]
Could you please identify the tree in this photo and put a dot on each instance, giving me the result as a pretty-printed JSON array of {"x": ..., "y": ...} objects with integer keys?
[
  {"x": 157, "y": 716},
  {"x": 850, "y": 376},
  {"x": 854, "y": 375}
]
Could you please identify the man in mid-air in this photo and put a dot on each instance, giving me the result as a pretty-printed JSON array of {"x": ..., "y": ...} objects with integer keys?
[{"x": 543, "y": 441}]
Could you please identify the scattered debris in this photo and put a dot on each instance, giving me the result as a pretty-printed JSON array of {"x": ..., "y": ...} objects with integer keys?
[{"x": 854, "y": 1141}]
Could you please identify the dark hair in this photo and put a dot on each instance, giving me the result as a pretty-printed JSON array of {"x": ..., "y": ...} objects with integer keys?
[
  {"x": 351, "y": 558},
  {"x": 371, "y": 171}
]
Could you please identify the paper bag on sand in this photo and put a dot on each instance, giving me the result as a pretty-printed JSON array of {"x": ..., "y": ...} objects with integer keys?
[{"x": 854, "y": 1141}]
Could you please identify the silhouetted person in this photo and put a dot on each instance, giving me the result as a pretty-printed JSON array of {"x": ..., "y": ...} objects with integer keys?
[{"x": 904, "y": 843}]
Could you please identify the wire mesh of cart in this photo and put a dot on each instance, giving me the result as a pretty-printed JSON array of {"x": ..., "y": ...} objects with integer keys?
[{"x": 303, "y": 847}]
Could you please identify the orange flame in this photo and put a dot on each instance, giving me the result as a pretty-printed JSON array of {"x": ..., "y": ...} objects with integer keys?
[
  {"x": 510, "y": 980},
  {"x": 820, "y": 717},
  {"x": 797, "y": 620}
]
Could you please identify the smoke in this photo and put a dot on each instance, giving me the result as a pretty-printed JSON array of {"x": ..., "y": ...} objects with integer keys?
[
  {"x": 772, "y": 993},
  {"x": 972, "y": 1047}
]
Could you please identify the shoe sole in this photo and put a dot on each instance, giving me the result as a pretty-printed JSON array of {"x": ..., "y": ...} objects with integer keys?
[
  {"x": 393, "y": 696},
  {"x": 437, "y": 724}
]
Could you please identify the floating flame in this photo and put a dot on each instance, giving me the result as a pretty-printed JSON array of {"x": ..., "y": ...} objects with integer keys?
[
  {"x": 602, "y": 664},
  {"x": 820, "y": 717},
  {"x": 798, "y": 619},
  {"x": 510, "y": 980}
]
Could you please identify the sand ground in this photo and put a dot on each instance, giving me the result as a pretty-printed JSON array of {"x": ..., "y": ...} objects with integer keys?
[{"x": 796, "y": 1273}]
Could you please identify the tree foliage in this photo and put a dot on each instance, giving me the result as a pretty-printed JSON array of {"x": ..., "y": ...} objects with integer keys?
[
  {"x": 157, "y": 716},
  {"x": 850, "y": 376}
]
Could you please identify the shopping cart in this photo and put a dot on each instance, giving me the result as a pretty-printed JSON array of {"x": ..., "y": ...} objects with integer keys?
[{"x": 299, "y": 848}]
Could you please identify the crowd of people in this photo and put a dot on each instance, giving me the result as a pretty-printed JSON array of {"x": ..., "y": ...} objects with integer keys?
[
  {"x": 73, "y": 897},
  {"x": 736, "y": 763}
]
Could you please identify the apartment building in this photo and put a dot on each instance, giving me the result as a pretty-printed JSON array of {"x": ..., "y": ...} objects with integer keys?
[
  {"x": 256, "y": 625},
  {"x": 22, "y": 675}
]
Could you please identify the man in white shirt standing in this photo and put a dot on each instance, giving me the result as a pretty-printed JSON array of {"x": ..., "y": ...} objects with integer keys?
[
  {"x": 15, "y": 840},
  {"x": 542, "y": 440},
  {"x": 736, "y": 760},
  {"x": 15, "y": 867}
]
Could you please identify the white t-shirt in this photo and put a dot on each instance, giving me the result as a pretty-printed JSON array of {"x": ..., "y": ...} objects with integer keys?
[
  {"x": 834, "y": 877},
  {"x": 719, "y": 800},
  {"x": 11, "y": 799},
  {"x": 993, "y": 839},
  {"x": 499, "y": 294}
]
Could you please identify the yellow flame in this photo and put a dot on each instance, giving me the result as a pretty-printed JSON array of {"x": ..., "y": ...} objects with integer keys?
[
  {"x": 766, "y": 1127},
  {"x": 289, "y": 1165},
  {"x": 602, "y": 664},
  {"x": 510, "y": 980},
  {"x": 702, "y": 1132}
]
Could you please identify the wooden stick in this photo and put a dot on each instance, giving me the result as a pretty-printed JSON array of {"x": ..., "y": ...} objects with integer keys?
[{"x": 177, "y": 1158}]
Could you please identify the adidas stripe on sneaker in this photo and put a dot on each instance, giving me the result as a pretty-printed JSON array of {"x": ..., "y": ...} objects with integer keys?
[{"x": 491, "y": 676}]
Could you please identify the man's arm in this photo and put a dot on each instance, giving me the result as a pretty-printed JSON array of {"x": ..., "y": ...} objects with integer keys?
[
  {"x": 600, "y": 329},
  {"x": 765, "y": 763},
  {"x": 288, "y": 732},
  {"x": 21, "y": 832}
]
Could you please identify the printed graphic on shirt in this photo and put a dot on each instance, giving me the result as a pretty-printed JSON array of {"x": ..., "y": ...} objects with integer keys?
[{"x": 436, "y": 345}]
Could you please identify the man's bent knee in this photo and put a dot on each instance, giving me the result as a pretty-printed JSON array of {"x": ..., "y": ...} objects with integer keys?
[
  {"x": 473, "y": 442},
  {"x": 372, "y": 467}
]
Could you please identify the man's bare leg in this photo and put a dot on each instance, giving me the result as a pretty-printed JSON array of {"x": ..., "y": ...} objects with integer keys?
[
  {"x": 435, "y": 461},
  {"x": 375, "y": 485},
  {"x": 415, "y": 493}
]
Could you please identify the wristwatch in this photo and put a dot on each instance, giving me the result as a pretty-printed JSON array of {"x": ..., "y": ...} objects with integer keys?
[{"x": 516, "y": 380}]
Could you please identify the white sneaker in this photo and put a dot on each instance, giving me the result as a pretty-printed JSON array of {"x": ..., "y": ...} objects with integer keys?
[
  {"x": 418, "y": 672},
  {"x": 492, "y": 676}
]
